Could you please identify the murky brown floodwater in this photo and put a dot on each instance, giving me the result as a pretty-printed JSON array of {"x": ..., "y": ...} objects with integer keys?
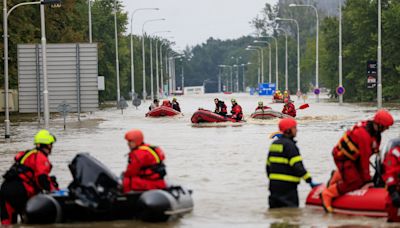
[{"x": 223, "y": 164}]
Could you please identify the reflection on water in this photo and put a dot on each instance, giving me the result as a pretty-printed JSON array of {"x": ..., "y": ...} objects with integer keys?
[{"x": 223, "y": 163}]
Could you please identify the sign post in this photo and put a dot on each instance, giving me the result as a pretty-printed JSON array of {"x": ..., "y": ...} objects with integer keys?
[
  {"x": 64, "y": 109},
  {"x": 372, "y": 72}
]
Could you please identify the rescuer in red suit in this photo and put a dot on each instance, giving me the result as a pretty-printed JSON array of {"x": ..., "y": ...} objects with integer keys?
[
  {"x": 28, "y": 176},
  {"x": 289, "y": 108},
  {"x": 236, "y": 111},
  {"x": 146, "y": 169},
  {"x": 220, "y": 107},
  {"x": 352, "y": 154},
  {"x": 261, "y": 106},
  {"x": 391, "y": 176}
]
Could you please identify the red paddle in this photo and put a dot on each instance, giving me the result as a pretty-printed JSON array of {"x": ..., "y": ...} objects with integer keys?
[{"x": 304, "y": 106}]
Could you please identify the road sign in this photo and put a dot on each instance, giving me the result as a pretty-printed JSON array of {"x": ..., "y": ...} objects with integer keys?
[
  {"x": 317, "y": 91},
  {"x": 340, "y": 90},
  {"x": 64, "y": 109},
  {"x": 122, "y": 104},
  {"x": 372, "y": 72}
]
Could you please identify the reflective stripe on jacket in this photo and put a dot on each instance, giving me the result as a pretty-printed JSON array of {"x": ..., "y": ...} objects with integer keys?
[{"x": 284, "y": 162}]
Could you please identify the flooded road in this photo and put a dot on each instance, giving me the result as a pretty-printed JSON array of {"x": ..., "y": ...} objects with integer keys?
[{"x": 223, "y": 164}]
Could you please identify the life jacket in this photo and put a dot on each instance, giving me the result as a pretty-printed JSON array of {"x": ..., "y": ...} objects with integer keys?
[
  {"x": 19, "y": 171},
  {"x": 221, "y": 108},
  {"x": 167, "y": 103},
  {"x": 347, "y": 148},
  {"x": 156, "y": 171}
]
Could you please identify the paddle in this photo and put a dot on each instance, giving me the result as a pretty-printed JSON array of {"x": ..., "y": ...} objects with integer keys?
[{"x": 304, "y": 106}]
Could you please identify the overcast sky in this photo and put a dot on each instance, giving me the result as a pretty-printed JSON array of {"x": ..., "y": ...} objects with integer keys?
[{"x": 193, "y": 21}]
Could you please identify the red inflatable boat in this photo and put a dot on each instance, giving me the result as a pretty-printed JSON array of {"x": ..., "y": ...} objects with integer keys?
[
  {"x": 363, "y": 202},
  {"x": 205, "y": 116},
  {"x": 267, "y": 114},
  {"x": 162, "y": 111}
]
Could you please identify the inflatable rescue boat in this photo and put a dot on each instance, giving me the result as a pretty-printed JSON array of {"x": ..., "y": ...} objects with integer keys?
[
  {"x": 94, "y": 195},
  {"x": 267, "y": 114},
  {"x": 206, "y": 116},
  {"x": 162, "y": 111},
  {"x": 369, "y": 202}
]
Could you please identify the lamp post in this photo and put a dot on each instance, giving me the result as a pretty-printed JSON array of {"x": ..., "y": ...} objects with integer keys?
[
  {"x": 276, "y": 61},
  {"x": 262, "y": 61},
  {"x": 269, "y": 58},
  {"x": 90, "y": 20},
  {"x": 286, "y": 59},
  {"x": 316, "y": 44},
  {"x": 144, "y": 55},
  {"x": 157, "y": 61},
  {"x": 132, "y": 62},
  {"x": 340, "y": 53},
  {"x": 298, "y": 50},
  {"x": 243, "y": 75},
  {"x": 237, "y": 72},
  {"x": 116, "y": 51},
  {"x": 250, "y": 48},
  {"x": 260, "y": 78},
  {"x": 379, "y": 89},
  {"x": 161, "y": 66},
  {"x": 6, "y": 14}
]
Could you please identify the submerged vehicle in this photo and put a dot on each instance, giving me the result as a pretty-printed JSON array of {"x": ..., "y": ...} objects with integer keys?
[
  {"x": 206, "y": 116},
  {"x": 95, "y": 195},
  {"x": 266, "y": 114},
  {"x": 162, "y": 111}
]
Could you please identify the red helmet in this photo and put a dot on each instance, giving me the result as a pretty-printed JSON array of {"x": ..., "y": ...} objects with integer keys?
[
  {"x": 134, "y": 135},
  {"x": 286, "y": 124},
  {"x": 383, "y": 118}
]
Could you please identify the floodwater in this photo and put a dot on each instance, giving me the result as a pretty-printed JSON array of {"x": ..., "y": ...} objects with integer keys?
[{"x": 224, "y": 164}]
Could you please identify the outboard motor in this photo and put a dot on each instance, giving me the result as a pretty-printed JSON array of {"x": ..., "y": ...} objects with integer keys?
[
  {"x": 42, "y": 209},
  {"x": 161, "y": 205},
  {"x": 94, "y": 185}
]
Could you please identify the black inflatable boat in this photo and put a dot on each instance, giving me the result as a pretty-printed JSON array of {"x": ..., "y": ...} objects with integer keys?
[{"x": 94, "y": 195}]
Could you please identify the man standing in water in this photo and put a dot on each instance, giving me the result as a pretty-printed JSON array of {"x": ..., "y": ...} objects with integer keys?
[
  {"x": 285, "y": 168},
  {"x": 352, "y": 154}
]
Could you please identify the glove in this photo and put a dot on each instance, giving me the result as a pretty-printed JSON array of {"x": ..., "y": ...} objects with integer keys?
[
  {"x": 395, "y": 199},
  {"x": 313, "y": 184},
  {"x": 54, "y": 181}
]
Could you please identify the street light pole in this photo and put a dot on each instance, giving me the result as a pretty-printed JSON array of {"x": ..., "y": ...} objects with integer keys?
[
  {"x": 298, "y": 50},
  {"x": 90, "y": 21},
  {"x": 144, "y": 55},
  {"x": 276, "y": 61},
  {"x": 286, "y": 59},
  {"x": 379, "y": 89},
  {"x": 340, "y": 53},
  {"x": 132, "y": 62},
  {"x": 316, "y": 44},
  {"x": 5, "y": 38},
  {"x": 157, "y": 60},
  {"x": 44, "y": 68},
  {"x": 116, "y": 51},
  {"x": 255, "y": 48}
]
